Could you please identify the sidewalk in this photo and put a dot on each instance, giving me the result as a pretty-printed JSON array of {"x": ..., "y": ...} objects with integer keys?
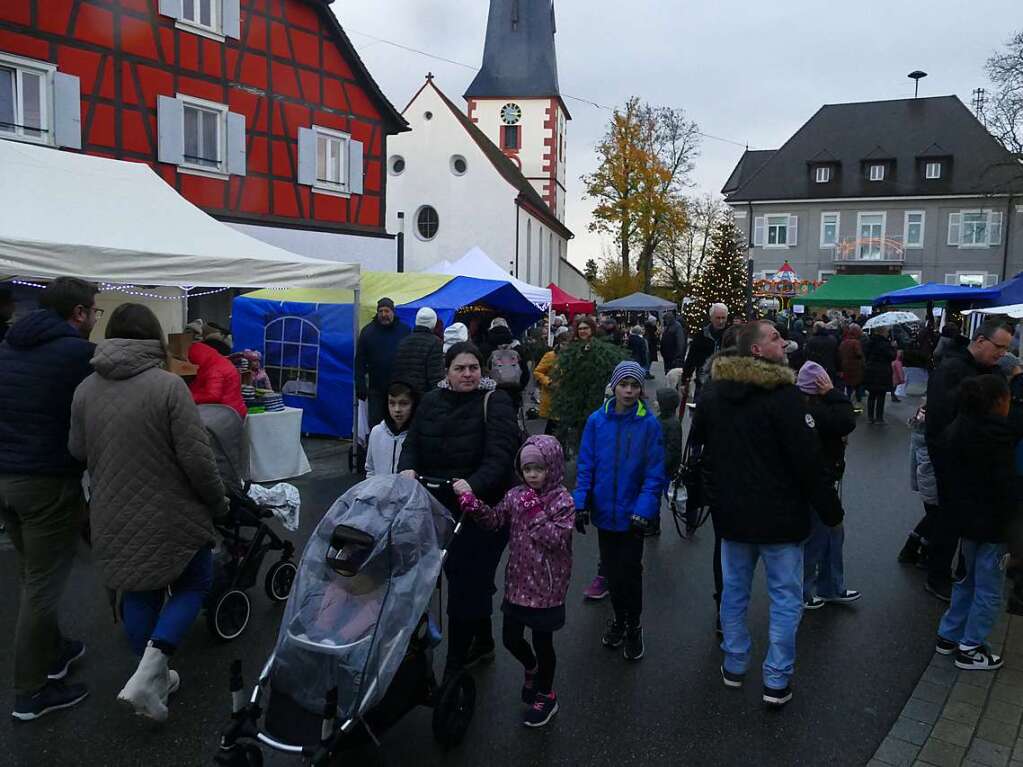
[{"x": 968, "y": 718}]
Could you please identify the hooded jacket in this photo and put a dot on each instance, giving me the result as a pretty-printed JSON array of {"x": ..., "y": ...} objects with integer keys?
[
  {"x": 544, "y": 375},
  {"x": 822, "y": 348},
  {"x": 957, "y": 365},
  {"x": 880, "y": 354},
  {"x": 419, "y": 360},
  {"x": 42, "y": 360},
  {"x": 673, "y": 344},
  {"x": 620, "y": 467},
  {"x": 668, "y": 401},
  {"x": 374, "y": 355},
  {"x": 154, "y": 480},
  {"x": 383, "y": 451},
  {"x": 218, "y": 381},
  {"x": 761, "y": 454},
  {"x": 540, "y": 526},
  {"x": 834, "y": 420}
]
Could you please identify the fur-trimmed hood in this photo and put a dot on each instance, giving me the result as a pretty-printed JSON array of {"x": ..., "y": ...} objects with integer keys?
[{"x": 742, "y": 376}]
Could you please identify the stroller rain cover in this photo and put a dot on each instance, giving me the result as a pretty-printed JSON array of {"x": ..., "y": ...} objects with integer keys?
[{"x": 352, "y": 632}]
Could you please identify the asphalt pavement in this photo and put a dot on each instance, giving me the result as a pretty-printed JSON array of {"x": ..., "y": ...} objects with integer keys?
[{"x": 856, "y": 665}]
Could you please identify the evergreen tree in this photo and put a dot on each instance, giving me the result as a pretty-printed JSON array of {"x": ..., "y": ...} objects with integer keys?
[
  {"x": 580, "y": 378},
  {"x": 723, "y": 278}
]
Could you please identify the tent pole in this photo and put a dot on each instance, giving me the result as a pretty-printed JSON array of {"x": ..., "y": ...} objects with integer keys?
[
  {"x": 184, "y": 309},
  {"x": 355, "y": 344}
]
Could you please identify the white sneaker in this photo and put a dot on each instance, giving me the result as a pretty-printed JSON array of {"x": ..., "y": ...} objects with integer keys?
[
  {"x": 147, "y": 689},
  {"x": 977, "y": 659}
]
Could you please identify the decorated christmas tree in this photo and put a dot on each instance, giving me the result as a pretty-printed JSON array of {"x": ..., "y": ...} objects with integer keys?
[{"x": 723, "y": 278}]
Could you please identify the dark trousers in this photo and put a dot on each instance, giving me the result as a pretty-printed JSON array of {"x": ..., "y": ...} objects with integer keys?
[
  {"x": 621, "y": 555},
  {"x": 539, "y": 657},
  {"x": 875, "y": 404},
  {"x": 44, "y": 518},
  {"x": 718, "y": 577},
  {"x": 470, "y": 568},
  {"x": 942, "y": 537}
]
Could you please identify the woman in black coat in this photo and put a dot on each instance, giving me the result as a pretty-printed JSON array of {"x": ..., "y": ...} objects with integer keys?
[
  {"x": 466, "y": 429},
  {"x": 879, "y": 353}
]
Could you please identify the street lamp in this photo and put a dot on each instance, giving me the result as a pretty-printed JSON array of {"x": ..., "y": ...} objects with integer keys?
[{"x": 916, "y": 76}]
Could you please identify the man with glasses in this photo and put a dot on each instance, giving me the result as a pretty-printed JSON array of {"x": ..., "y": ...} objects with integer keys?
[
  {"x": 960, "y": 360},
  {"x": 44, "y": 357}
]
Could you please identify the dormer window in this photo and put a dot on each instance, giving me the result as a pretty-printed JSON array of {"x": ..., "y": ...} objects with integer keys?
[
  {"x": 876, "y": 172},
  {"x": 823, "y": 174},
  {"x": 932, "y": 170}
]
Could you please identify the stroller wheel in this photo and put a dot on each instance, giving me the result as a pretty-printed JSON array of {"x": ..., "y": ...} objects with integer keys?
[
  {"x": 452, "y": 713},
  {"x": 279, "y": 579},
  {"x": 229, "y": 615},
  {"x": 253, "y": 756}
]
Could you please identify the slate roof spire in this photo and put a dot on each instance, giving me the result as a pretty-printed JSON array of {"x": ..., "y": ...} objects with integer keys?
[{"x": 519, "y": 58}]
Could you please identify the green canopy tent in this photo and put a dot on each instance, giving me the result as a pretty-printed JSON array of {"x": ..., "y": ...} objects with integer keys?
[{"x": 854, "y": 290}]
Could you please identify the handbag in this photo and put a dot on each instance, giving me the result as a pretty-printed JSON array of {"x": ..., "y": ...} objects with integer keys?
[{"x": 691, "y": 509}]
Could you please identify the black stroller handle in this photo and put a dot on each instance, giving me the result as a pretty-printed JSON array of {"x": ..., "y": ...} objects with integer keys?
[{"x": 435, "y": 483}]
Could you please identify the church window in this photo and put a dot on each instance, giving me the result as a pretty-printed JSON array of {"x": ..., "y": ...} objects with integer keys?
[
  {"x": 510, "y": 138},
  {"x": 397, "y": 165},
  {"x": 427, "y": 222},
  {"x": 458, "y": 165}
]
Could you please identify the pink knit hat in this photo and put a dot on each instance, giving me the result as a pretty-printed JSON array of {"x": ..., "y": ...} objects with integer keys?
[
  {"x": 531, "y": 454},
  {"x": 808, "y": 375}
]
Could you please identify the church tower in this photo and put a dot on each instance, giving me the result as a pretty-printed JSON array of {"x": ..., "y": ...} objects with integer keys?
[{"x": 515, "y": 99}]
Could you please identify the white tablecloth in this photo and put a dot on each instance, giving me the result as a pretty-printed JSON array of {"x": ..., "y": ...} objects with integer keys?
[{"x": 275, "y": 445}]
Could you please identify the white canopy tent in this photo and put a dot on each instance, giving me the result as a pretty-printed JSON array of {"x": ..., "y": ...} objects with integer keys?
[
  {"x": 478, "y": 264},
  {"x": 112, "y": 221},
  {"x": 1015, "y": 311}
]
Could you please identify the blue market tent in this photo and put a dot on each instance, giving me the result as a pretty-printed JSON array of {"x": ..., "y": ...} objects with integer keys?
[
  {"x": 637, "y": 302},
  {"x": 1008, "y": 292},
  {"x": 307, "y": 337}
]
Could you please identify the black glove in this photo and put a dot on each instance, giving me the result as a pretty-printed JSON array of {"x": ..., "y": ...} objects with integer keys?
[
  {"x": 639, "y": 525},
  {"x": 582, "y": 519}
]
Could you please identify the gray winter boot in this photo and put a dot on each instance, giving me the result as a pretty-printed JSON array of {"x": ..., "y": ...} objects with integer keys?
[{"x": 147, "y": 690}]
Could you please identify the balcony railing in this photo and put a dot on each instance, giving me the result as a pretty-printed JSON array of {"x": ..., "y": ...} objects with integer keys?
[{"x": 869, "y": 249}]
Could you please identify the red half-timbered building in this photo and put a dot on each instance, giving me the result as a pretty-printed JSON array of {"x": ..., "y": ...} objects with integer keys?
[{"x": 258, "y": 111}]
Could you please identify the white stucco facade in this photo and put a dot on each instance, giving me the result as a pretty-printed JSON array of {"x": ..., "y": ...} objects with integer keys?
[{"x": 476, "y": 207}]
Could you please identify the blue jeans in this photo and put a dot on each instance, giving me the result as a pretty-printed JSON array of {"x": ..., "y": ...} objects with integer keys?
[
  {"x": 783, "y": 565},
  {"x": 823, "y": 568},
  {"x": 977, "y": 598},
  {"x": 150, "y": 615}
]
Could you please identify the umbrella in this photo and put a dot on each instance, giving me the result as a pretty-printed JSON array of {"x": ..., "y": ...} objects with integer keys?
[{"x": 888, "y": 319}]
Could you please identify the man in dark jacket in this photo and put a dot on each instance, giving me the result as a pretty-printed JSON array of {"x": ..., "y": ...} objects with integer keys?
[
  {"x": 704, "y": 345},
  {"x": 43, "y": 359},
  {"x": 673, "y": 342},
  {"x": 822, "y": 348},
  {"x": 419, "y": 361},
  {"x": 959, "y": 361},
  {"x": 752, "y": 422},
  {"x": 374, "y": 355}
]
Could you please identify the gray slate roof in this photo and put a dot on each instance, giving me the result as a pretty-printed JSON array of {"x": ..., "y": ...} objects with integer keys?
[
  {"x": 519, "y": 57},
  {"x": 903, "y": 132}
]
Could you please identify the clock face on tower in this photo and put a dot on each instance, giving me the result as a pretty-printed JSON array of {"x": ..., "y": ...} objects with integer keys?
[{"x": 511, "y": 114}]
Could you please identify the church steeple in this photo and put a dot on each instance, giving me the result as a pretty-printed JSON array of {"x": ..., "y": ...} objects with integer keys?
[{"x": 519, "y": 57}]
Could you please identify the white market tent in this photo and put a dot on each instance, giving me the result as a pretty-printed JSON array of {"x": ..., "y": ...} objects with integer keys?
[
  {"x": 478, "y": 264},
  {"x": 1015, "y": 311},
  {"x": 67, "y": 214}
]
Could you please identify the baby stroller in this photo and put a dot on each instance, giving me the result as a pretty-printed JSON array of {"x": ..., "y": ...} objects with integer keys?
[
  {"x": 355, "y": 650},
  {"x": 245, "y": 537}
]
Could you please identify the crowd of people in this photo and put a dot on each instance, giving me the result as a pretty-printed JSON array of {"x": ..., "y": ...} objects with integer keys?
[{"x": 447, "y": 403}]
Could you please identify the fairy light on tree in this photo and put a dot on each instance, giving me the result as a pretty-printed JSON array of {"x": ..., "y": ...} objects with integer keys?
[{"x": 722, "y": 279}]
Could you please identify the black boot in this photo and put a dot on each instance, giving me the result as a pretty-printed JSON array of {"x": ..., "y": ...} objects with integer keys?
[
  {"x": 634, "y": 647},
  {"x": 910, "y": 553}
]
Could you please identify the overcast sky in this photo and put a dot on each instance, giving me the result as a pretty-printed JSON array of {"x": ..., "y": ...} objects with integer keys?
[{"x": 745, "y": 70}]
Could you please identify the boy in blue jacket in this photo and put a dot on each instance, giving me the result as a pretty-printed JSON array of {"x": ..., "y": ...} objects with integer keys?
[{"x": 618, "y": 487}]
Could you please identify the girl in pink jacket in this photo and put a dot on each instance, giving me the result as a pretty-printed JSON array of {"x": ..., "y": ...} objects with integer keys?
[{"x": 540, "y": 515}]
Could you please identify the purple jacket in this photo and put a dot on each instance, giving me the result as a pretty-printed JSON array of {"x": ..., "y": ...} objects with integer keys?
[{"x": 540, "y": 532}]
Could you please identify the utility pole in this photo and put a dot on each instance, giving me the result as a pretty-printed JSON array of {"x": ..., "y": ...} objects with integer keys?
[{"x": 979, "y": 102}]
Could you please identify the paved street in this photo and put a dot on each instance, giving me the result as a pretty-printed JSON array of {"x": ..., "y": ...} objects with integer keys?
[{"x": 856, "y": 669}]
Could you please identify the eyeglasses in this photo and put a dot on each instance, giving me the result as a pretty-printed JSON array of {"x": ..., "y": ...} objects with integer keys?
[
  {"x": 97, "y": 312},
  {"x": 999, "y": 347}
]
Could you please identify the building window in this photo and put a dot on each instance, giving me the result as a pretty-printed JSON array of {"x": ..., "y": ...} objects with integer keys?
[
  {"x": 829, "y": 229},
  {"x": 932, "y": 170},
  {"x": 823, "y": 174},
  {"x": 427, "y": 222},
  {"x": 291, "y": 355},
  {"x": 777, "y": 230},
  {"x": 202, "y": 13},
  {"x": 510, "y": 138},
  {"x": 916, "y": 274},
  {"x": 913, "y": 229},
  {"x": 825, "y": 274},
  {"x": 458, "y": 165},
  {"x": 24, "y": 96},
  {"x": 216, "y": 19},
  {"x": 397, "y": 165},
  {"x": 877, "y": 172},
  {"x": 975, "y": 228},
  {"x": 870, "y": 228},
  {"x": 331, "y": 155},
  {"x": 204, "y": 128},
  {"x": 529, "y": 250}
]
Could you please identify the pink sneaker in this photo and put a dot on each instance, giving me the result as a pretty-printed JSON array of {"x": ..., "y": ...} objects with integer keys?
[{"x": 598, "y": 589}]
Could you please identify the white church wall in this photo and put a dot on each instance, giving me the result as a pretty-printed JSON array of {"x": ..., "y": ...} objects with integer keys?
[{"x": 532, "y": 134}]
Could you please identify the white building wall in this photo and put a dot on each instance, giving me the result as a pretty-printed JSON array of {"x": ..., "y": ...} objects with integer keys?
[{"x": 487, "y": 114}]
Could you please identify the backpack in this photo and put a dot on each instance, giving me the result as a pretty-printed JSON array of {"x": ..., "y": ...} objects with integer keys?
[{"x": 506, "y": 369}]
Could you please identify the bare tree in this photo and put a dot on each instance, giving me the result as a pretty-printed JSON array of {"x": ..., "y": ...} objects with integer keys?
[
  {"x": 682, "y": 254},
  {"x": 1005, "y": 114}
]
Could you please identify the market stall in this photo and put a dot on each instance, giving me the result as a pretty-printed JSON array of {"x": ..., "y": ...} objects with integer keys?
[
  {"x": 637, "y": 302},
  {"x": 564, "y": 302},
  {"x": 857, "y": 291},
  {"x": 476, "y": 263}
]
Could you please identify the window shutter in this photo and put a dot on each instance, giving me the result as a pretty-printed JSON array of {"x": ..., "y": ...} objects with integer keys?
[
  {"x": 170, "y": 121},
  {"x": 954, "y": 227},
  {"x": 232, "y": 22},
  {"x": 306, "y": 156},
  {"x": 951, "y": 279},
  {"x": 792, "y": 237},
  {"x": 758, "y": 231},
  {"x": 354, "y": 166},
  {"x": 67, "y": 111},
  {"x": 994, "y": 229},
  {"x": 990, "y": 279},
  {"x": 171, "y": 8},
  {"x": 235, "y": 144}
]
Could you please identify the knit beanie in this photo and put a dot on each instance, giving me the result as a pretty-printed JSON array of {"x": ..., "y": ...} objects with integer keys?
[
  {"x": 426, "y": 318},
  {"x": 499, "y": 322},
  {"x": 454, "y": 334},
  {"x": 385, "y": 302},
  {"x": 531, "y": 454},
  {"x": 808, "y": 375},
  {"x": 627, "y": 369}
]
